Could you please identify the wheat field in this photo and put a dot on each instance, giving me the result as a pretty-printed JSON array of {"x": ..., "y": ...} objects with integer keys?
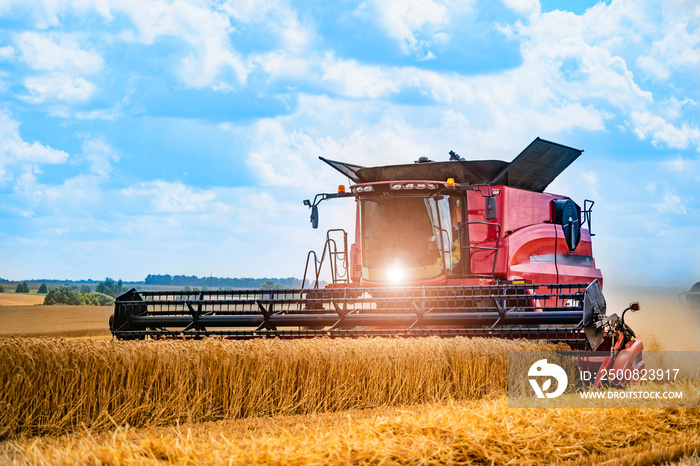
[
  {"x": 56, "y": 321},
  {"x": 480, "y": 431},
  {"x": 51, "y": 386},
  {"x": 362, "y": 401}
]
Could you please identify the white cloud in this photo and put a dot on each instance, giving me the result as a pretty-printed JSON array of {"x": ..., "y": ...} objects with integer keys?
[
  {"x": 672, "y": 204},
  {"x": 63, "y": 64},
  {"x": 14, "y": 151},
  {"x": 277, "y": 17},
  {"x": 585, "y": 58},
  {"x": 47, "y": 52},
  {"x": 58, "y": 87},
  {"x": 351, "y": 79},
  {"x": 414, "y": 24},
  {"x": 209, "y": 60},
  {"x": 678, "y": 164},
  {"x": 164, "y": 196},
  {"x": 100, "y": 155},
  {"x": 282, "y": 154},
  {"x": 678, "y": 50},
  {"x": 648, "y": 125},
  {"x": 7, "y": 52},
  {"x": 79, "y": 193},
  {"x": 285, "y": 150},
  {"x": 20, "y": 161},
  {"x": 524, "y": 7},
  {"x": 205, "y": 30}
]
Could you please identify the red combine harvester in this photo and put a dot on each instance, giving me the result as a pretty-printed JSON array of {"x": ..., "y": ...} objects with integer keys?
[{"x": 454, "y": 248}]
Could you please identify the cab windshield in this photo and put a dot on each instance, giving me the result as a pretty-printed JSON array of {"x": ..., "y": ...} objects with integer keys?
[{"x": 407, "y": 238}]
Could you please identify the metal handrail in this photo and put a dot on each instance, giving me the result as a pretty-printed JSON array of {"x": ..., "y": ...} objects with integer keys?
[
  {"x": 330, "y": 247},
  {"x": 487, "y": 248}
]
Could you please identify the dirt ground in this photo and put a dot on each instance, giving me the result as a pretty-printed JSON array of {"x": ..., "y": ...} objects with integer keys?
[
  {"x": 54, "y": 321},
  {"x": 665, "y": 322}
]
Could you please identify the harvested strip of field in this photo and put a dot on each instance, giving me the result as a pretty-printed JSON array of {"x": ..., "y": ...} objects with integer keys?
[
  {"x": 20, "y": 299},
  {"x": 57, "y": 320},
  {"x": 472, "y": 432},
  {"x": 54, "y": 385}
]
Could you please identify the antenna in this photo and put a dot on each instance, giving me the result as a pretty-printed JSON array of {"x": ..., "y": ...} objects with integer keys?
[{"x": 455, "y": 156}]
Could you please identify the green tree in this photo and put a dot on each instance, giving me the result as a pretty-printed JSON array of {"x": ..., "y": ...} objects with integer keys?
[
  {"x": 65, "y": 294},
  {"x": 2, "y": 289},
  {"x": 43, "y": 289},
  {"x": 22, "y": 288},
  {"x": 84, "y": 289},
  {"x": 110, "y": 287},
  {"x": 270, "y": 285},
  {"x": 97, "y": 299}
]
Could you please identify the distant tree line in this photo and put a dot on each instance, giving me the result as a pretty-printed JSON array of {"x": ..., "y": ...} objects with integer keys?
[
  {"x": 218, "y": 282},
  {"x": 71, "y": 295}
]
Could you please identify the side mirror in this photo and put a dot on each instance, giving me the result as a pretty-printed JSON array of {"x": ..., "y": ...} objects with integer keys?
[
  {"x": 314, "y": 216},
  {"x": 491, "y": 210},
  {"x": 634, "y": 307}
]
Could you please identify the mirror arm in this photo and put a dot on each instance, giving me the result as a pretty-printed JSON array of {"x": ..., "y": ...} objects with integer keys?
[{"x": 317, "y": 200}]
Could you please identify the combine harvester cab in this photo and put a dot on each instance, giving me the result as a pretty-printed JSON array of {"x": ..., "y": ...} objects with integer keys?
[{"x": 454, "y": 248}]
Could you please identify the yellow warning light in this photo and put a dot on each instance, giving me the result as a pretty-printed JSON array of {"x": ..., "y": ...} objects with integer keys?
[
  {"x": 341, "y": 188},
  {"x": 450, "y": 182}
]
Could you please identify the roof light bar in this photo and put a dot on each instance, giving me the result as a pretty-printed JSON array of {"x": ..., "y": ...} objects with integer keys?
[{"x": 396, "y": 187}]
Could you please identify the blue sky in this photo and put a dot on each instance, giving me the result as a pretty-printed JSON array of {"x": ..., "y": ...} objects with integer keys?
[{"x": 181, "y": 137}]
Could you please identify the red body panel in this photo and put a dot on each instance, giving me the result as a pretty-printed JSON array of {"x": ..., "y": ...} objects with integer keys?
[{"x": 526, "y": 246}]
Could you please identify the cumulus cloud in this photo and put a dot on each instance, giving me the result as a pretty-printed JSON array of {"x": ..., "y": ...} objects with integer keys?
[
  {"x": 64, "y": 65},
  {"x": 100, "y": 155},
  {"x": 7, "y": 52},
  {"x": 208, "y": 60},
  {"x": 58, "y": 87},
  {"x": 575, "y": 75},
  {"x": 351, "y": 79},
  {"x": 408, "y": 20},
  {"x": 20, "y": 161},
  {"x": 203, "y": 29},
  {"x": 672, "y": 204},
  {"x": 48, "y": 52},
  {"x": 14, "y": 150},
  {"x": 164, "y": 196},
  {"x": 677, "y": 50},
  {"x": 286, "y": 150},
  {"x": 278, "y": 17},
  {"x": 661, "y": 132},
  {"x": 524, "y": 7},
  {"x": 416, "y": 25}
]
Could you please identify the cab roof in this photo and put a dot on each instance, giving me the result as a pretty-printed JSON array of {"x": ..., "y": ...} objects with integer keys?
[{"x": 533, "y": 169}]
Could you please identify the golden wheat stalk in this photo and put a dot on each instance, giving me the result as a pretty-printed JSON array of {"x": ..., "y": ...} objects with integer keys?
[
  {"x": 483, "y": 431},
  {"x": 54, "y": 385}
]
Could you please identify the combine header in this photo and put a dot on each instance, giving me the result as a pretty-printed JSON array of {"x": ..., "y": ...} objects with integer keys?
[{"x": 454, "y": 248}]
